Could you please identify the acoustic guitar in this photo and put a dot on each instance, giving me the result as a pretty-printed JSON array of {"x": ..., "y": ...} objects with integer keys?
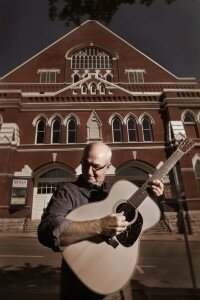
[{"x": 105, "y": 264}]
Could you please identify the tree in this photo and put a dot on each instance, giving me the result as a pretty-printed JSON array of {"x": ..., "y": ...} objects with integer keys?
[{"x": 100, "y": 10}]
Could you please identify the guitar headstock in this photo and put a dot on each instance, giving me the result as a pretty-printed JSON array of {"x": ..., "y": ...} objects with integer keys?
[{"x": 186, "y": 145}]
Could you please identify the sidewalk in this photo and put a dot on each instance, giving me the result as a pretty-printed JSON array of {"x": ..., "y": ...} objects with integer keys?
[{"x": 148, "y": 237}]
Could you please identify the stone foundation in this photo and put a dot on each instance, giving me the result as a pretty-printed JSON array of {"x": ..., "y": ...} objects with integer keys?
[
  {"x": 192, "y": 221},
  {"x": 12, "y": 225}
]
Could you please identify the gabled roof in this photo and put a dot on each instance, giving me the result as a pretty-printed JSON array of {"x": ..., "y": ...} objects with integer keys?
[{"x": 97, "y": 25}]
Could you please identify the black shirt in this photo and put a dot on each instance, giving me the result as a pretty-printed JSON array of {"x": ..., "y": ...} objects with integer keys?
[{"x": 65, "y": 199}]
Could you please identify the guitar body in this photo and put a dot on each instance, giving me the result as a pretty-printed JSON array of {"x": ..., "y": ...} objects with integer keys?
[{"x": 105, "y": 264}]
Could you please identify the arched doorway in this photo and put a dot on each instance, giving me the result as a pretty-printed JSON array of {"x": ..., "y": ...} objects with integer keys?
[
  {"x": 46, "y": 180},
  {"x": 136, "y": 172}
]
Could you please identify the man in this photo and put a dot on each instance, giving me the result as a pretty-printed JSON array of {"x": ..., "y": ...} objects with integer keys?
[{"x": 57, "y": 231}]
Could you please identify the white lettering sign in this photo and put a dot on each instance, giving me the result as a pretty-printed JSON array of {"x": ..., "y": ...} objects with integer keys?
[{"x": 20, "y": 183}]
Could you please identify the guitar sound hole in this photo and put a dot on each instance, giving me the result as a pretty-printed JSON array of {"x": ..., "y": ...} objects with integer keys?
[
  {"x": 128, "y": 209},
  {"x": 128, "y": 237}
]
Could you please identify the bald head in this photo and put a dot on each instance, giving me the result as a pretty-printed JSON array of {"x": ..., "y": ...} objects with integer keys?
[
  {"x": 100, "y": 150},
  {"x": 96, "y": 162}
]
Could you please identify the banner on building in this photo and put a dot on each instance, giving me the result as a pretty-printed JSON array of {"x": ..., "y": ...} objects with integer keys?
[{"x": 19, "y": 189}]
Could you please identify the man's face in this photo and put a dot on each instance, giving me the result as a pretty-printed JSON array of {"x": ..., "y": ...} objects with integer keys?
[{"x": 94, "y": 167}]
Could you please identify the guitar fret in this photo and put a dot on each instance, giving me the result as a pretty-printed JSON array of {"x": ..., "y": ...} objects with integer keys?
[{"x": 141, "y": 193}]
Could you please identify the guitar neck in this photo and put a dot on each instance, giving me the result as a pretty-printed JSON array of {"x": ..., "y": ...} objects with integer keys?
[{"x": 142, "y": 193}]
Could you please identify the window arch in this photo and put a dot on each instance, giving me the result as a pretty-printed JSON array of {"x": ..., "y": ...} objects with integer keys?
[
  {"x": 117, "y": 130},
  {"x": 147, "y": 129},
  {"x": 102, "y": 89},
  {"x": 108, "y": 77},
  {"x": 132, "y": 130},
  {"x": 190, "y": 125},
  {"x": 93, "y": 88},
  {"x": 135, "y": 172},
  {"x": 1, "y": 120},
  {"x": 49, "y": 179},
  {"x": 84, "y": 88},
  {"x": 40, "y": 131},
  {"x": 71, "y": 131},
  {"x": 56, "y": 131},
  {"x": 197, "y": 172},
  {"x": 91, "y": 58},
  {"x": 76, "y": 78}
]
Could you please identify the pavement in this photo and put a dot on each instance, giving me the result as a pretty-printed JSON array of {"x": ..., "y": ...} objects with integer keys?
[
  {"x": 148, "y": 237},
  {"x": 141, "y": 287}
]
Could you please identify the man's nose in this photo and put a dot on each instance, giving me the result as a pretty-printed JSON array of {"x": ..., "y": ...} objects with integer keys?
[{"x": 90, "y": 170}]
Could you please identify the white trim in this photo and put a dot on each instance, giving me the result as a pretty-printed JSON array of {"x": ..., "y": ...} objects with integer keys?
[
  {"x": 26, "y": 171},
  {"x": 90, "y": 88},
  {"x": 57, "y": 41},
  {"x": 56, "y": 115},
  {"x": 84, "y": 84},
  {"x": 48, "y": 70},
  {"x": 136, "y": 129},
  {"x": 198, "y": 116},
  {"x": 130, "y": 115},
  {"x": 194, "y": 159},
  {"x": 180, "y": 90},
  {"x": 145, "y": 115},
  {"x": 40, "y": 116},
  {"x": 187, "y": 169},
  {"x": 115, "y": 114},
  {"x": 134, "y": 147},
  {"x": 135, "y": 49},
  {"x": 36, "y": 131},
  {"x": 116, "y": 82},
  {"x": 192, "y": 78},
  {"x": 72, "y": 118},
  {"x": 190, "y": 112},
  {"x": 67, "y": 118},
  {"x": 150, "y": 129}
]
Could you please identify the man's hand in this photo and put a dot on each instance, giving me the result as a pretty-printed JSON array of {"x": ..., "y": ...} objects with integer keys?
[
  {"x": 113, "y": 224},
  {"x": 157, "y": 187}
]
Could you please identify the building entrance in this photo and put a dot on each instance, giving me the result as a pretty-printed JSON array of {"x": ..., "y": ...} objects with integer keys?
[{"x": 46, "y": 182}]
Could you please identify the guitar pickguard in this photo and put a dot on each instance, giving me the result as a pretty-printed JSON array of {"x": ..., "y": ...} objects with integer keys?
[{"x": 128, "y": 237}]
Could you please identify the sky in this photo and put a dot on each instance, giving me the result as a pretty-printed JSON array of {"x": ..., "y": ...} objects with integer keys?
[{"x": 168, "y": 34}]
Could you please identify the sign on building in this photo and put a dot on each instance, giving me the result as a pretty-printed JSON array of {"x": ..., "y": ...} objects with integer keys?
[{"x": 19, "y": 189}]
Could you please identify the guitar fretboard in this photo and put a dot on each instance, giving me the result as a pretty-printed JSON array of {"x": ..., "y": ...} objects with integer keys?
[{"x": 140, "y": 195}]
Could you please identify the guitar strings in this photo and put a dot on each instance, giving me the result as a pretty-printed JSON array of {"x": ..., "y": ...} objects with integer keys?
[{"x": 138, "y": 197}]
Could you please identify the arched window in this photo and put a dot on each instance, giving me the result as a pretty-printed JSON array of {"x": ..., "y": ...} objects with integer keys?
[
  {"x": 132, "y": 130},
  {"x": 91, "y": 58},
  {"x": 102, "y": 89},
  {"x": 190, "y": 126},
  {"x": 109, "y": 78},
  {"x": 147, "y": 130},
  {"x": 49, "y": 181},
  {"x": 132, "y": 173},
  {"x": 71, "y": 131},
  {"x": 84, "y": 89},
  {"x": 40, "y": 132},
  {"x": 117, "y": 130},
  {"x": 76, "y": 78},
  {"x": 197, "y": 172},
  {"x": 56, "y": 131},
  {"x": 93, "y": 88}
]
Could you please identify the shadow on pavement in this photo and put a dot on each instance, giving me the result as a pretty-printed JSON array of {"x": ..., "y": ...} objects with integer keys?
[
  {"x": 141, "y": 292},
  {"x": 27, "y": 281},
  {"x": 41, "y": 282}
]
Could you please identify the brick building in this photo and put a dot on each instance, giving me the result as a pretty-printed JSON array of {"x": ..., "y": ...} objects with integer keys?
[{"x": 92, "y": 85}]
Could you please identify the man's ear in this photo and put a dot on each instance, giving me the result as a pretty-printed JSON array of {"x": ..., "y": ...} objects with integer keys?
[{"x": 108, "y": 167}]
